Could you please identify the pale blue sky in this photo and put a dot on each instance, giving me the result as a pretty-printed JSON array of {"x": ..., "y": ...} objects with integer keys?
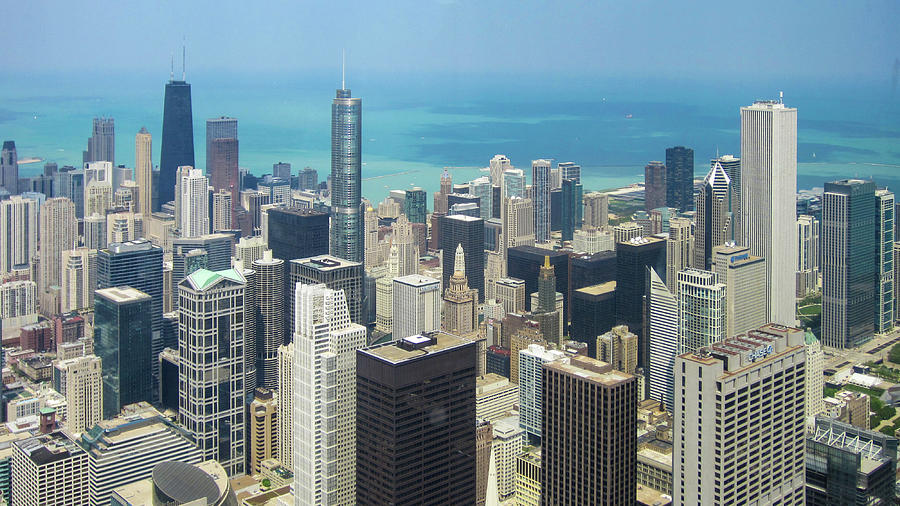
[{"x": 672, "y": 39}]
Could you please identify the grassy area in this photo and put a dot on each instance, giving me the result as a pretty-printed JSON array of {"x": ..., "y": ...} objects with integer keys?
[
  {"x": 874, "y": 392},
  {"x": 814, "y": 309},
  {"x": 623, "y": 209},
  {"x": 813, "y": 298},
  {"x": 885, "y": 372},
  {"x": 894, "y": 354}
]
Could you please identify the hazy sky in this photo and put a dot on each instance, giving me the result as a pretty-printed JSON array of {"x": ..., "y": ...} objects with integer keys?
[{"x": 672, "y": 39}]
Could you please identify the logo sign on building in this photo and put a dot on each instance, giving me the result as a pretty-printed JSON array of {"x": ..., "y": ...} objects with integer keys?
[{"x": 759, "y": 353}]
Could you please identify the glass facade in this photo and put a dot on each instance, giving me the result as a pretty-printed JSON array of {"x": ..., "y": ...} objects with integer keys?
[
  {"x": 346, "y": 167},
  {"x": 177, "y": 139}
]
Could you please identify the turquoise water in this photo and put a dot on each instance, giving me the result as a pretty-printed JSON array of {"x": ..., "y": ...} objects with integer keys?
[{"x": 414, "y": 126}]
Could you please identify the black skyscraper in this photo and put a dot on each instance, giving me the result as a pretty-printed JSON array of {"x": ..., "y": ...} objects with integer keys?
[
  {"x": 524, "y": 262},
  {"x": 632, "y": 260},
  {"x": 297, "y": 233},
  {"x": 680, "y": 178},
  {"x": 177, "y": 138},
  {"x": 415, "y": 415},
  {"x": 468, "y": 231}
]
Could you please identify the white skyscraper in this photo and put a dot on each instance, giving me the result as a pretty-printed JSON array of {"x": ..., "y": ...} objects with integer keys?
[
  {"x": 808, "y": 254},
  {"x": 79, "y": 278},
  {"x": 740, "y": 431},
  {"x": 58, "y": 232},
  {"x": 416, "y": 305},
  {"x": 663, "y": 316},
  {"x": 768, "y": 199},
  {"x": 194, "y": 203},
  {"x": 701, "y": 309},
  {"x": 513, "y": 183},
  {"x": 484, "y": 190},
  {"x": 679, "y": 250},
  {"x": 324, "y": 415},
  {"x": 531, "y": 363},
  {"x": 211, "y": 365},
  {"x": 815, "y": 379},
  {"x": 81, "y": 381},
  {"x": 742, "y": 274},
  {"x": 498, "y": 165},
  {"x": 18, "y": 232},
  {"x": 143, "y": 171},
  {"x": 285, "y": 399}
]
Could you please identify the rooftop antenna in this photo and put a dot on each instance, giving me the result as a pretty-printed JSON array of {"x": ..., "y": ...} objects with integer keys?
[
  {"x": 780, "y": 97},
  {"x": 343, "y": 66},
  {"x": 172, "y": 68},
  {"x": 183, "y": 53}
]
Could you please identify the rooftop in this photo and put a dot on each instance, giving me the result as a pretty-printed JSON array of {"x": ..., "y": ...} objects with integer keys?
[
  {"x": 48, "y": 448},
  {"x": 413, "y": 347},
  {"x": 590, "y": 369},
  {"x": 202, "y": 279},
  {"x": 325, "y": 262},
  {"x": 122, "y": 294},
  {"x": 599, "y": 289},
  {"x": 416, "y": 280}
]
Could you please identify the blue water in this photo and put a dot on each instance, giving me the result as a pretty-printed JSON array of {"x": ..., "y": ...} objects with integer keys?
[{"x": 414, "y": 126}]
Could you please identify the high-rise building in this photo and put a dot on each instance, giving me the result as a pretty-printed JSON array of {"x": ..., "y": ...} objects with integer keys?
[
  {"x": 405, "y": 453},
  {"x": 18, "y": 306},
  {"x": 282, "y": 170},
  {"x": 570, "y": 212},
  {"x": 334, "y": 273},
  {"x": 218, "y": 255},
  {"x": 177, "y": 138},
  {"x": 510, "y": 292},
  {"x": 756, "y": 431},
  {"x": 262, "y": 428},
  {"x": 307, "y": 179},
  {"x": 618, "y": 348},
  {"x": 589, "y": 444},
  {"x": 126, "y": 448},
  {"x": 18, "y": 232},
  {"x": 808, "y": 259},
  {"x": 325, "y": 402},
  {"x": 850, "y": 275},
  {"x": 468, "y": 231},
  {"x": 123, "y": 341},
  {"x": 484, "y": 190},
  {"x": 211, "y": 365},
  {"x": 513, "y": 184},
  {"x": 460, "y": 314},
  {"x": 633, "y": 258},
  {"x": 524, "y": 262},
  {"x": 101, "y": 146},
  {"x": 768, "y": 199},
  {"x": 346, "y": 168},
  {"x": 547, "y": 313},
  {"x": 884, "y": 267},
  {"x": 194, "y": 209},
  {"x": 58, "y": 232},
  {"x": 540, "y": 180},
  {"x": 517, "y": 217},
  {"x": 139, "y": 265},
  {"x": 222, "y": 127},
  {"x": 596, "y": 210},
  {"x": 593, "y": 313},
  {"x": 143, "y": 171},
  {"x": 407, "y": 252},
  {"x": 624, "y": 232},
  {"x": 743, "y": 275},
  {"x": 269, "y": 304},
  {"x": 815, "y": 371},
  {"x": 680, "y": 178},
  {"x": 849, "y": 465},
  {"x": 679, "y": 249},
  {"x": 49, "y": 469},
  {"x": 297, "y": 233},
  {"x": 713, "y": 218},
  {"x": 222, "y": 217},
  {"x": 285, "y": 405},
  {"x": 655, "y": 185},
  {"x": 732, "y": 166},
  {"x": 80, "y": 380},
  {"x": 701, "y": 310},
  {"x": 531, "y": 380},
  {"x": 416, "y": 305},
  {"x": 497, "y": 166},
  {"x": 415, "y": 205},
  {"x": 662, "y": 317},
  {"x": 9, "y": 168}
]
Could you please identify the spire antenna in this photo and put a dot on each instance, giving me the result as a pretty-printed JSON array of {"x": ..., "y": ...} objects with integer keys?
[
  {"x": 183, "y": 58},
  {"x": 343, "y": 67},
  {"x": 172, "y": 67}
]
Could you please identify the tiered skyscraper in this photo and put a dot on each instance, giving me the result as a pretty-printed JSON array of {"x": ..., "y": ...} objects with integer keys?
[
  {"x": 768, "y": 199},
  {"x": 143, "y": 171},
  {"x": 713, "y": 216},
  {"x": 346, "y": 167},
  {"x": 102, "y": 144},
  {"x": 177, "y": 137}
]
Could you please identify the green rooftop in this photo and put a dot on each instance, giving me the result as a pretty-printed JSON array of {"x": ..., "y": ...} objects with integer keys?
[
  {"x": 203, "y": 278},
  {"x": 810, "y": 337}
]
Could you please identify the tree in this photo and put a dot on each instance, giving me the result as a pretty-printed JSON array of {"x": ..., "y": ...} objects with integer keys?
[{"x": 888, "y": 431}]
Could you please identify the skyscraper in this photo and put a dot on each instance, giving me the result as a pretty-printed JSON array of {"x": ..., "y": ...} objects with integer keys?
[
  {"x": 123, "y": 341},
  {"x": 468, "y": 231},
  {"x": 570, "y": 205},
  {"x": 9, "y": 168},
  {"x": 743, "y": 275},
  {"x": 679, "y": 250},
  {"x": 211, "y": 365},
  {"x": 680, "y": 178},
  {"x": 177, "y": 137},
  {"x": 758, "y": 428},
  {"x": 286, "y": 405},
  {"x": 701, "y": 310},
  {"x": 460, "y": 314},
  {"x": 49, "y": 469},
  {"x": 497, "y": 166},
  {"x": 297, "y": 233},
  {"x": 768, "y": 199},
  {"x": 80, "y": 380},
  {"x": 662, "y": 309},
  {"x": 325, "y": 345},
  {"x": 713, "y": 218},
  {"x": 222, "y": 127},
  {"x": 79, "y": 279},
  {"x": 18, "y": 232},
  {"x": 884, "y": 270},
  {"x": 633, "y": 258},
  {"x": 808, "y": 258},
  {"x": 415, "y": 420},
  {"x": 618, "y": 348},
  {"x": 143, "y": 171},
  {"x": 416, "y": 305},
  {"x": 655, "y": 185},
  {"x": 850, "y": 273},
  {"x": 102, "y": 144},
  {"x": 540, "y": 180},
  {"x": 596, "y": 210},
  {"x": 346, "y": 168},
  {"x": 531, "y": 376},
  {"x": 194, "y": 204},
  {"x": 483, "y": 189},
  {"x": 58, "y": 232},
  {"x": 269, "y": 304},
  {"x": 589, "y": 443},
  {"x": 334, "y": 273},
  {"x": 415, "y": 205},
  {"x": 732, "y": 166}
]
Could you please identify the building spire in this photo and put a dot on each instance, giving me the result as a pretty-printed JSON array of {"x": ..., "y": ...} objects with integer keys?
[
  {"x": 343, "y": 68},
  {"x": 546, "y": 261},
  {"x": 172, "y": 68},
  {"x": 183, "y": 58},
  {"x": 459, "y": 263}
]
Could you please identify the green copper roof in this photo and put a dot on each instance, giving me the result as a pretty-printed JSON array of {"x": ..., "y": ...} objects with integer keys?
[
  {"x": 203, "y": 278},
  {"x": 810, "y": 337}
]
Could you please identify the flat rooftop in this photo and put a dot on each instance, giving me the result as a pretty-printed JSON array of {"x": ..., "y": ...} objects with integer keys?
[
  {"x": 418, "y": 347},
  {"x": 590, "y": 369},
  {"x": 416, "y": 280},
  {"x": 122, "y": 294},
  {"x": 599, "y": 289},
  {"x": 325, "y": 262},
  {"x": 48, "y": 448}
]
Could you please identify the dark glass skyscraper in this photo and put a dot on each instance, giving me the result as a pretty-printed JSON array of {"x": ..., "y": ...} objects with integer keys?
[
  {"x": 679, "y": 179},
  {"x": 177, "y": 138},
  {"x": 122, "y": 340},
  {"x": 346, "y": 155},
  {"x": 414, "y": 206},
  {"x": 297, "y": 233},
  {"x": 632, "y": 261},
  {"x": 468, "y": 231}
]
